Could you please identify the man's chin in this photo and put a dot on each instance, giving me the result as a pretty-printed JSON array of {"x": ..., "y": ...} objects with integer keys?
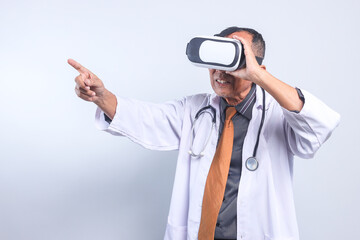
[{"x": 223, "y": 95}]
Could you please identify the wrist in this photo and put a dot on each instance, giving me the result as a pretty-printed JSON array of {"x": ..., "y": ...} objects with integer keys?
[
  {"x": 259, "y": 76},
  {"x": 103, "y": 98},
  {"x": 107, "y": 102}
]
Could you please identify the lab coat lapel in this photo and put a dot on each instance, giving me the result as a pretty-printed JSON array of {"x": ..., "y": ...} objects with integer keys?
[{"x": 249, "y": 178}]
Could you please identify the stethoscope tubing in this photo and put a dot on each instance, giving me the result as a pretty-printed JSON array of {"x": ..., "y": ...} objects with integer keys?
[
  {"x": 202, "y": 110},
  {"x": 261, "y": 124},
  {"x": 251, "y": 163}
]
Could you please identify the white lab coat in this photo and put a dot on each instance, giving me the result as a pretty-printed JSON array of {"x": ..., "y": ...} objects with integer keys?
[{"x": 265, "y": 204}]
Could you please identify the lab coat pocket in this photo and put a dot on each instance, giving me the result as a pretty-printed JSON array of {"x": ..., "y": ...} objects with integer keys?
[
  {"x": 175, "y": 232},
  {"x": 266, "y": 237},
  {"x": 193, "y": 229}
]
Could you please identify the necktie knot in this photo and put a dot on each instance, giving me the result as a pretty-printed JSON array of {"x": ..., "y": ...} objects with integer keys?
[{"x": 230, "y": 112}]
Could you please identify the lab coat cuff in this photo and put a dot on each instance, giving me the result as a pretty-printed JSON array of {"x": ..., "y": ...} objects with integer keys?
[
  {"x": 100, "y": 121},
  {"x": 315, "y": 118},
  {"x": 114, "y": 126}
]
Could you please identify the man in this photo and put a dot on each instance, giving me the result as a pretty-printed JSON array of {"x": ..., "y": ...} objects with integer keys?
[{"x": 255, "y": 203}]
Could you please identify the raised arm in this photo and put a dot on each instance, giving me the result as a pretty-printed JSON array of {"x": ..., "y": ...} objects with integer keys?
[
  {"x": 154, "y": 126},
  {"x": 284, "y": 94},
  {"x": 312, "y": 122}
]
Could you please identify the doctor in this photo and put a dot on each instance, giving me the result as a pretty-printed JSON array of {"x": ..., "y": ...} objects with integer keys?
[{"x": 256, "y": 198}]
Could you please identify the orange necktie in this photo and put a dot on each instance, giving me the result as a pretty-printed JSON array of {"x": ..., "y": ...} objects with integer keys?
[{"x": 216, "y": 179}]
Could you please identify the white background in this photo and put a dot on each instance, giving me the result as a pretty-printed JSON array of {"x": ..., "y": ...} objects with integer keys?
[{"x": 61, "y": 178}]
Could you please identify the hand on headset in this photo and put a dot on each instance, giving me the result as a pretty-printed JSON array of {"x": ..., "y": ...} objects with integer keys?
[{"x": 250, "y": 72}]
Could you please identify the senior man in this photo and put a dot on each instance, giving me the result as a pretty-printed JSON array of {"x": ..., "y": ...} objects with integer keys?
[{"x": 216, "y": 194}]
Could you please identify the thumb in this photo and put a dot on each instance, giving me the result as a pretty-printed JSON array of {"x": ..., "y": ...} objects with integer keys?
[
  {"x": 92, "y": 81},
  {"x": 230, "y": 73},
  {"x": 238, "y": 73}
]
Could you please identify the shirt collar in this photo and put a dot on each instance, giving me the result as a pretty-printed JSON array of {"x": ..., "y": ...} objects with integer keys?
[{"x": 244, "y": 107}]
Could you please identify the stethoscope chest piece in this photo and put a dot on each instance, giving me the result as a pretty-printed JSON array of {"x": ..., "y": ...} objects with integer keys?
[{"x": 251, "y": 164}]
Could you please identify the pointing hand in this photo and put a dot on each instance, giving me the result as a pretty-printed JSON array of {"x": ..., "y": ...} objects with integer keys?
[{"x": 88, "y": 86}]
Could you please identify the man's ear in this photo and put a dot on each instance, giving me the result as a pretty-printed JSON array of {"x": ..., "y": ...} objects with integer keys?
[{"x": 263, "y": 67}]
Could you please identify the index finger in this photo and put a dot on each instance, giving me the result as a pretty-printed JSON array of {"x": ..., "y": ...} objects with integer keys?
[
  {"x": 247, "y": 46},
  {"x": 242, "y": 40},
  {"x": 78, "y": 66}
]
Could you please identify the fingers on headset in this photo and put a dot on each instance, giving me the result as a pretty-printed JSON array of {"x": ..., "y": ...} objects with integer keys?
[{"x": 247, "y": 46}]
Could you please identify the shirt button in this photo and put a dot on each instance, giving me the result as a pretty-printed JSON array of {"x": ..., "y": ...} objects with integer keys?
[{"x": 218, "y": 224}]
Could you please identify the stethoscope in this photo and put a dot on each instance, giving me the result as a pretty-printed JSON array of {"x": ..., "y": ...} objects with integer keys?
[{"x": 251, "y": 163}]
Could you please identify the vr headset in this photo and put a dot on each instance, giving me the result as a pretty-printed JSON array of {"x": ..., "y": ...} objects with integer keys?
[{"x": 217, "y": 53}]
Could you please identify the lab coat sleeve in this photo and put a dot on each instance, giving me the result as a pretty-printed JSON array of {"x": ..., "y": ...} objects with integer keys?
[
  {"x": 154, "y": 126},
  {"x": 307, "y": 130}
]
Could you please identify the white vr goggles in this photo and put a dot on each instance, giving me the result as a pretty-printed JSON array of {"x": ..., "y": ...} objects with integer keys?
[{"x": 217, "y": 53}]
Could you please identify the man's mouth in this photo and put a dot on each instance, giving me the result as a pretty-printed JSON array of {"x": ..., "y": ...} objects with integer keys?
[{"x": 221, "y": 81}]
